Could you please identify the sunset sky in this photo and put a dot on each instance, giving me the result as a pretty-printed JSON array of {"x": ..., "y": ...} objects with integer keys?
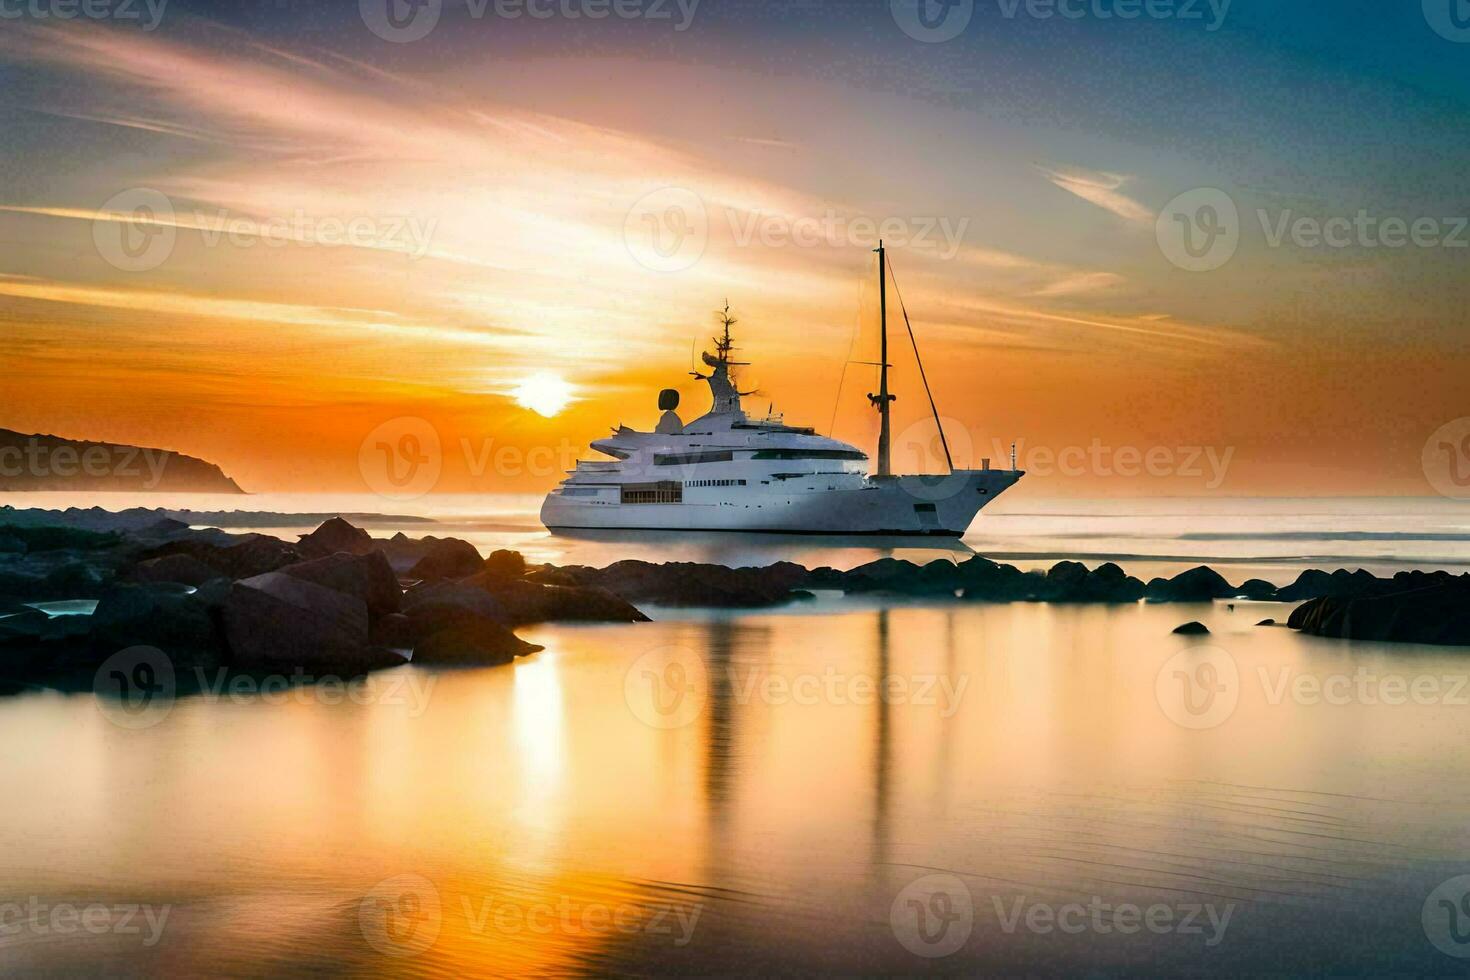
[{"x": 568, "y": 200}]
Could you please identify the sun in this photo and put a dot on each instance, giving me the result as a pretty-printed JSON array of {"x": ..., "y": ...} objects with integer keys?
[{"x": 545, "y": 394}]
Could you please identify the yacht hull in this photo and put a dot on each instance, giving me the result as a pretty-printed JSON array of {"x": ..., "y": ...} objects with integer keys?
[{"x": 903, "y": 505}]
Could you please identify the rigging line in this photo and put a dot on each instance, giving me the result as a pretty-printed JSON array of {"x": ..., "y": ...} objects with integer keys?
[
  {"x": 920, "y": 361},
  {"x": 842, "y": 378}
]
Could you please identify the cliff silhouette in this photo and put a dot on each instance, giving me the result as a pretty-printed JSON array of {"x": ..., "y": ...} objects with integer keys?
[{"x": 31, "y": 462}]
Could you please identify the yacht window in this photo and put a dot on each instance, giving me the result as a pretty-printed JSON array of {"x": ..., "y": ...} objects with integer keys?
[
  {"x": 681, "y": 459},
  {"x": 809, "y": 454},
  {"x": 663, "y": 492}
]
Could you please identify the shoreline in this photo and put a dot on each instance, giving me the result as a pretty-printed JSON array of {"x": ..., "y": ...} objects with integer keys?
[{"x": 341, "y": 602}]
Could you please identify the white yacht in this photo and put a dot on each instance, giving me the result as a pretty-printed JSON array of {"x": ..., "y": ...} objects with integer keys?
[{"x": 726, "y": 471}]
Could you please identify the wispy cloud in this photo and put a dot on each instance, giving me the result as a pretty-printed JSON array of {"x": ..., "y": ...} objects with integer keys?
[
  {"x": 1082, "y": 282},
  {"x": 1100, "y": 188}
]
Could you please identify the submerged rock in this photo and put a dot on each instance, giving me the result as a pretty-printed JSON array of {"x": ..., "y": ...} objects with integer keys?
[{"x": 1192, "y": 629}]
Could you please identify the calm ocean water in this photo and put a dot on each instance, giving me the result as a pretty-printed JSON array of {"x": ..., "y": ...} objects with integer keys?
[
  {"x": 1268, "y": 538},
  {"x": 843, "y": 785}
]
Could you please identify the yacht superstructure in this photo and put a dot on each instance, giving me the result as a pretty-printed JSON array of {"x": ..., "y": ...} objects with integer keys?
[{"x": 726, "y": 471}]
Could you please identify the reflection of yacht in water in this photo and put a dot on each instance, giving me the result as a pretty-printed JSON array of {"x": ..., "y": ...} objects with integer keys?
[{"x": 725, "y": 471}]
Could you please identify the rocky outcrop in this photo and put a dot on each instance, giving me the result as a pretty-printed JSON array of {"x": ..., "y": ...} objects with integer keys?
[
  {"x": 471, "y": 642},
  {"x": 47, "y": 462},
  {"x": 279, "y": 622},
  {"x": 185, "y": 625},
  {"x": 255, "y": 555},
  {"x": 429, "y": 598},
  {"x": 1200, "y": 584},
  {"x": 447, "y": 558},
  {"x": 1192, "y": 629},
  {"x": 522, "y": 602},
  {"x": 686, "y": 583},
  {"x": 181, "y": 568},
  {"x": 333, "y": 537},
  {"x": 367, "y": 577},
  {"x": 1436, "y": 614}
]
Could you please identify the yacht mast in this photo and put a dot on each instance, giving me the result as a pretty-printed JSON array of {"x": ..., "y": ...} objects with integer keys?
[{"x": 883, "y": 399}]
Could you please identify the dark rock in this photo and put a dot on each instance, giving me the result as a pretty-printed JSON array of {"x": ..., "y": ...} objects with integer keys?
[
  {"x": 551, "y": 575},
  {"x": 74, "y": 580},
  {"x": 99, "y": 468},
  {"x": 368, "y": 577},
  {"x": 186, "y": 627},
  {"x": 185, "y": 569},
  {"x": 1196, "y": 585},
  {"x": 505, "y": 564},
  {"x": 471, "y": 643},
  {"x": 423, "y": 599},
  {"x": 334, "y": 536},
  {"x": 1314, "y": 583},
  {"x": 1192, "y": 629},
  {"x": 1438, "y": 614},
  {"x": 1267, "y": 622},
  {"x": 689, "y": 584},
  {"x": 394, "y": 631},
  {"x": 255, "y": 555},
  {"x": 1067, "y": 574},
  {"x": 401, "y": 551},
  {"x": 275, "y": 621},
  {"x": 526, "y": 602},
  {"x": 447, "y": 558},
  {"x": 1258, "y": 590},
  {"x": 35, "y": 625}
]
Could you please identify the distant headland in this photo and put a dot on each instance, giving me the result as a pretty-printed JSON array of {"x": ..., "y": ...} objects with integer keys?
[{"x": 33, "y": 462}]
